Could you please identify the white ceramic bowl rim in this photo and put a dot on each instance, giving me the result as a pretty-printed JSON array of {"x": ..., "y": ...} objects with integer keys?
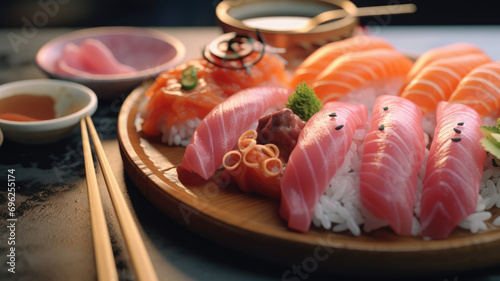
[
  {"x": 58, "y": 120},
  {"x": 122, "y": 30}
]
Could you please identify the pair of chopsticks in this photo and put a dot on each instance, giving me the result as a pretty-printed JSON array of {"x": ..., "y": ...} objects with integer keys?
[{"x": 105, "y": 263}]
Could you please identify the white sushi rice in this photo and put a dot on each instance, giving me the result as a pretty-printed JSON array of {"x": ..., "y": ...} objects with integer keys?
[
  {"x": 340, "y": 207},
  {"x": 488, "y": 198},
  {"x": 491, "y": 119},
  {"x": 429, "y": 123},
  {"x": 180, "y": 133}
]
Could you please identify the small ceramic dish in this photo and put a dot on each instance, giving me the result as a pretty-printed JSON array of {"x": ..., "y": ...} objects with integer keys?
[
  {"x": 71, "y": 101},
  {"x": 149, "y": 51}
]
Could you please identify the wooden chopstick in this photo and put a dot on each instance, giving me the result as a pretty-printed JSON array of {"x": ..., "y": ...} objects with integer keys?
[
  {"x": 105, "y": 261},
  {"x": 140, "y": 259}
]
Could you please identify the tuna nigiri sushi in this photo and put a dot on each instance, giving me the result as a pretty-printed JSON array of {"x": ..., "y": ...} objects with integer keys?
[
  {"x": 448, "y": 51},
  {"x": 453, "y": 172},
  {"x": 379, "y": 70},
  {"x": 437, "y": 81},
  {"x": 480, "y": 89},
  {"x": 394, "y": 150},
  {"x": 319, "y": 152},
  {"x": 219, "y": 131},
  {"x": 170, "y": 106},
  {"x": 321, "y": 58}
]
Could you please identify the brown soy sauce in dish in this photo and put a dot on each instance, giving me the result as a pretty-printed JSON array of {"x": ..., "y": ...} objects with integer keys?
[{"x": 27, "y": 107}]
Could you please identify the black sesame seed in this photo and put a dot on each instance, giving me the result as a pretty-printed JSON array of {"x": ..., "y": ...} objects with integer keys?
[
  {"x": 333, "y": 114},
  {"x": 385, "y": 108},
  {"x": 460, "y": 123},
  {"x": 381, "y": 127},
  {"x": 456, "y": 139},
  {"x": 457, "y": 130},
  {"x": 339, "y": 127}
]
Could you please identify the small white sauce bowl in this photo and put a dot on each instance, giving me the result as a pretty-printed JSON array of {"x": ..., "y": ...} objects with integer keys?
[
  {"x": 149, "y": 51},
  {"x": 66, "y": 95}
]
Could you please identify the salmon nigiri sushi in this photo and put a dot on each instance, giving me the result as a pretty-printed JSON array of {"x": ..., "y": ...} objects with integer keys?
[
  {"x": 448, "y": 51},
  {"x": 374, "y": 72},
  {"x": 171, "y": 108},
  {"x": 453, "y": 172},
  {"x": 437, "y": 81},
  {"x": 321, "y": 58},
  {"x": 480, "y": 89},
  {"x": 219, "y": 131},
  {"x": 319, "y": 152},
  {"x": 394, "y": 150}
]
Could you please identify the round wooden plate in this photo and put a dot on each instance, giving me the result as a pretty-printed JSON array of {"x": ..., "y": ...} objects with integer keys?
[{"x": 250, "y": 223}]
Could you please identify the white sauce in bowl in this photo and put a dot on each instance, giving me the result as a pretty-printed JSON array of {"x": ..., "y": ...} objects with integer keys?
[{"x": 277, "y": 23}]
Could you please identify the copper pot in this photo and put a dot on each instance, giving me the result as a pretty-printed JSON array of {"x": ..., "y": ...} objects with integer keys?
[{"x": 231, "y": 16}]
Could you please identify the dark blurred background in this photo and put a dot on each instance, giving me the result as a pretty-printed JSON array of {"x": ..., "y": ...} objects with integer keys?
[{"x": 87, "y": 13}]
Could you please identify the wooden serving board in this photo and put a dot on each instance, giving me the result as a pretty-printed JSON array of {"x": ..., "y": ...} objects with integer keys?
[{"x": 250, "y": 223}]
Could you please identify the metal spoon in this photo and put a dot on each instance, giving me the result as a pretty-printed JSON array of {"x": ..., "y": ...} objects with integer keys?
[{"x": 360, "y": 12}]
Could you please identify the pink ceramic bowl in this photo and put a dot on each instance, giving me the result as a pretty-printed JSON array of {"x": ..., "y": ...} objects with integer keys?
[{"x": 149, "y": 51}]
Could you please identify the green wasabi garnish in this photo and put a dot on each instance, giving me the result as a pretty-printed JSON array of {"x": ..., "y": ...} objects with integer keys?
[
  {"x": 491, "y": 141},
  {"x": 189, "y": 77},
  {"x": 304, "y": 102}
]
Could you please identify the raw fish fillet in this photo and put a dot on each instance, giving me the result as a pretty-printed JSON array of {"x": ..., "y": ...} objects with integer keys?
[
  {"x": 454, "y": 170},
  {"x": 70, "y": 58},
  {"x": 437, "y": 81},
  {"x": 322, "y": 57},
  {"x": 219, "y": 131},
  {"x": 91, "y": 57},
  {"x": 169, "y": 103},
  {"x": 394, "y": 150},
  {"x": 448, "y": 51},
  {"x": 480, "y": 89},
  {"x": 320, "y": 151},
  {"x": 352, "y": 71},
  {"x": 97, "y": 58}
]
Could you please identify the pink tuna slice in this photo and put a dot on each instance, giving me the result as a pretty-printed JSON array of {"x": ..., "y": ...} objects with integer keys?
[
  {"x": 220, "y": 130},
  {"x": 320, "y": 151},
  {"x": 98, "y": 59},
  {"x": 454, "y": 170},
  {"x": 394, "y": 150},
  {"x": 70, "y": 59}
]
